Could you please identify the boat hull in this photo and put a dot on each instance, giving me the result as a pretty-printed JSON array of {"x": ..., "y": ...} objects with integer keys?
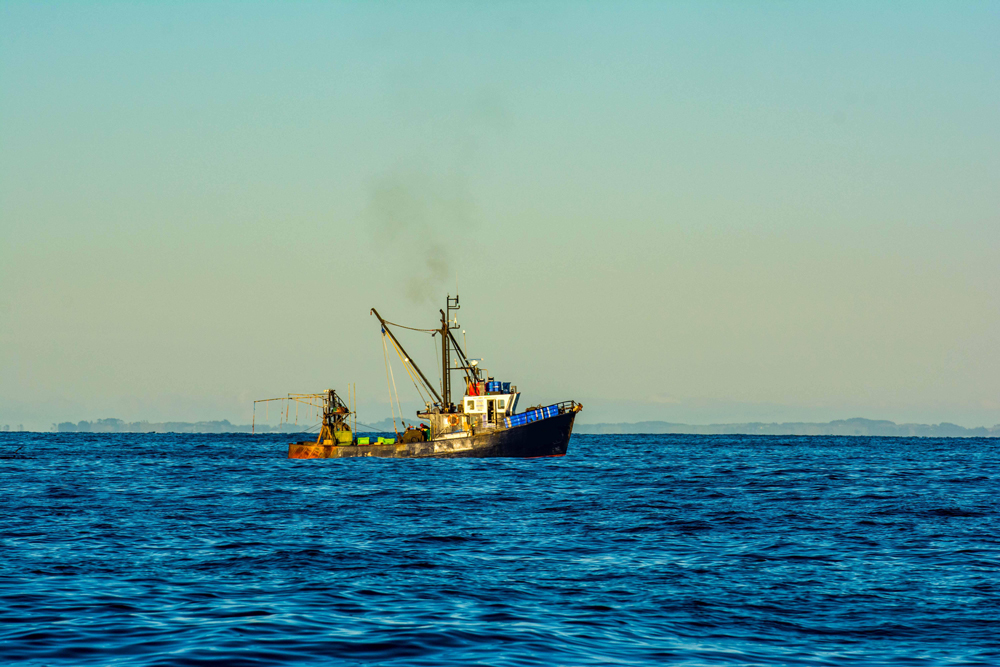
[{"x": 545, "y": 437}]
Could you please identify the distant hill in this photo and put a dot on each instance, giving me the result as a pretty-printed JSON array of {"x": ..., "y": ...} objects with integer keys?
[
  {"x": 856, "y": 426},
  {"x": 119, "y": 426},
  {"x": 223, "y": 426}
]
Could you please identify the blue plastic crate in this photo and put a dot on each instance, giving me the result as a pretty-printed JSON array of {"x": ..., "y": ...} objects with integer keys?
[
  {"x": 533, "y": 415},
  {"x": 505, "y": 387}
]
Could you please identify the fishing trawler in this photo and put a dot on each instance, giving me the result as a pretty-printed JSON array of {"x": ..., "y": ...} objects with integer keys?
[{"x": 484, "y": 423}]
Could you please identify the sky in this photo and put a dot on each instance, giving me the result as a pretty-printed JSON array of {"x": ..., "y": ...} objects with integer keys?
[{"x": 692, "y": 212}]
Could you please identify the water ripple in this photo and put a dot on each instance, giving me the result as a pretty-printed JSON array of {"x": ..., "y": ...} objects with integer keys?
[{"x": 722, "y": 550}]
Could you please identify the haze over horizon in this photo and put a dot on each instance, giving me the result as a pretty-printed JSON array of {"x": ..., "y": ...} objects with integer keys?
[{"x": 686, "y": 212}]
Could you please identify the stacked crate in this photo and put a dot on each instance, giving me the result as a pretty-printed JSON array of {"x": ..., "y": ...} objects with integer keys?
[{"x": 532, "y": 416}]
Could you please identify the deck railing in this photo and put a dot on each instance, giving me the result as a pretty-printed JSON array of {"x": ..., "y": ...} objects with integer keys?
[{"x": 567, "y": 406}]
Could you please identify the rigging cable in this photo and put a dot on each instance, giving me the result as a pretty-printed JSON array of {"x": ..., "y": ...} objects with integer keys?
[
  {"x": 401, "y": 326},
  {"x": 393, "y": 376},
  {"x": 406, "y": 366},
  {"x": 385, "y": 357},
  {"x": 437, "y": 362},
  {"x": 372, "y": 428}
]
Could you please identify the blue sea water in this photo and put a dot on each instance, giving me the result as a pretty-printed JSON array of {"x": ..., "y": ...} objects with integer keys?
[{"x": 132, "y": 549}]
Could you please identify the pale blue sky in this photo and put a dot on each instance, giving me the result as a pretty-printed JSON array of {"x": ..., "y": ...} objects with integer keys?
[{"x": 691, "y": 212}]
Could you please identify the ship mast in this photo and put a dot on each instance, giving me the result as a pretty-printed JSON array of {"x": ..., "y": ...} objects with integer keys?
[{"x": 447, "y": 339}]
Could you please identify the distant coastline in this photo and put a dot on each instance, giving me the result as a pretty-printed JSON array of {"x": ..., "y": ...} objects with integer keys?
[
  {"x": 223, "y": 426},
  {"x": 856, "y": 426}
]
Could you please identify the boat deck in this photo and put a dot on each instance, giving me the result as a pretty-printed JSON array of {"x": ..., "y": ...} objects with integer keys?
[{"x": 545, "y": 437}]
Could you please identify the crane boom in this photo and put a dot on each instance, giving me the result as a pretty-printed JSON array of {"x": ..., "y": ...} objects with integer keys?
[{"x": 385, "y": 327}]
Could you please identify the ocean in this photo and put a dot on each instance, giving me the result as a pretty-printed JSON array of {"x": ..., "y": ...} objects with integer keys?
[{"x": 129, "y": 549}]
